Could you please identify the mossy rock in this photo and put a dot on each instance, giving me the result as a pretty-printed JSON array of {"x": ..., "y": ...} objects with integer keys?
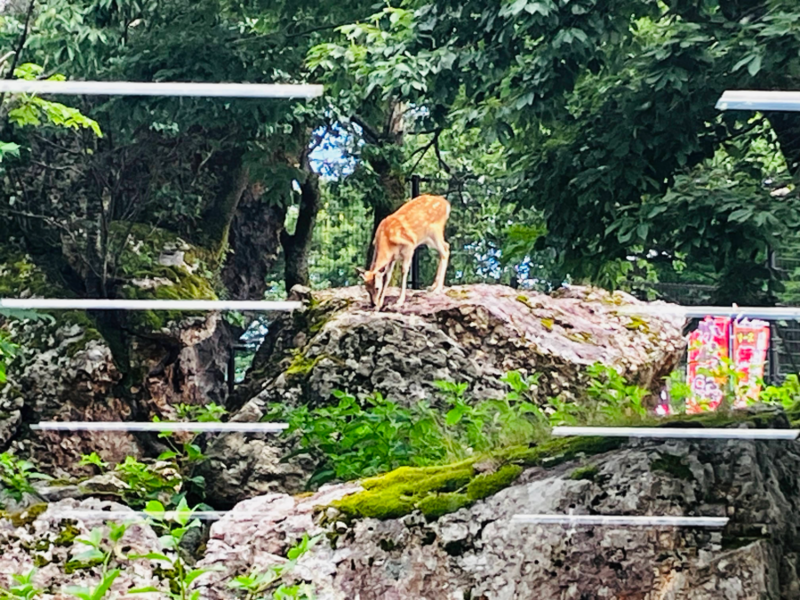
[
  {"x": 587, "y": 473},
  {"x": 139, "y": 260},
  {"x": 672, "y": 465},
  {"x": 438, "y": 505},
  {"x": 488, "y": 484},
  {"x": 25, "y": 517},
  {"x": 440, "y": 490},
  {"x": 301, "y": 366}
]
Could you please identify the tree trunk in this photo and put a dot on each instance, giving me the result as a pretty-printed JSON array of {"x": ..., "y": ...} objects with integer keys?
[
  {"x": 254, "y": 239},
  {"x": 296, "y": 246},
  {"x": 787, "y": 129},
  {"x": 219, "y": 216}
]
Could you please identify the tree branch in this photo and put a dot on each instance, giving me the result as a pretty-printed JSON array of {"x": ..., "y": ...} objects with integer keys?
[
  {"x": 372, "y": 136},
  {"x": 22, "y": 39},
  {"x": 442, "y": 164},
  {"x": 424, "y": 149}
]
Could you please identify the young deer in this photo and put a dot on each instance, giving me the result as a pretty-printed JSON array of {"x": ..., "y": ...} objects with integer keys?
[{"x": 418, "y": 221}]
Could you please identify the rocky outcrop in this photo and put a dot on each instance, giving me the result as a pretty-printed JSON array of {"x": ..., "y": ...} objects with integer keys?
[
  {"x": 480, "y": 553},
  {"x": 471, "y": 334},
  {"x": 47, "y": 541}
]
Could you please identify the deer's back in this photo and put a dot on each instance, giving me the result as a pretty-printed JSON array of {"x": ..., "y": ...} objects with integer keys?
[{"x": 416, "y": 220}]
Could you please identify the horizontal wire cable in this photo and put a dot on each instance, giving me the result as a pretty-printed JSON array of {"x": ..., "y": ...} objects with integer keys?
[
  {"x": 621, "y": 521},
  {"x": 104, "y": 304},
  {"x": 149, "y": 88},
  {"x": 759, "y": 100},
  {"x": 159, "y": 426},
  {"x": 678, "y": 432},
  {"x": 123, "y": 515}
]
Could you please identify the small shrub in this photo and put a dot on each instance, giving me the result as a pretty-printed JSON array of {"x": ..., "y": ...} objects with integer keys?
[
  {"x": 257, "y": 584},
  {"x": 22, "y": 587},
  {"x": 15, "y": 476}
]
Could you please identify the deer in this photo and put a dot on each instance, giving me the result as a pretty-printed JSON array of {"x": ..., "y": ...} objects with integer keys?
[{"x": 419, "y": 221}]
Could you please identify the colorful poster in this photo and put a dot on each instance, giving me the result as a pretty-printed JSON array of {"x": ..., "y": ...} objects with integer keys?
[
  {"x": 708, "y": 347},
  {"x": 750, "y": 344}
]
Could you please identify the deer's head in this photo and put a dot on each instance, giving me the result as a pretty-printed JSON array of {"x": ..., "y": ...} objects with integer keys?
[{"x": 374, "y": 281}]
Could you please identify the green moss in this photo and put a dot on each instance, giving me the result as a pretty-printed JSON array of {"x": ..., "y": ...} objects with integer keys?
[
  {"x": 437, "y": 505},
  {"x": 488, "y": 484},
  {"x": 40, "y": 561},
  {"x": 139, "y": 260},
  {"x": 457, "y": 294},
  {"x": 301, "y": 366},
  {"x": 403, "y": 490},
  {"x": 638, "y": 324},
  {"x": 672, "y": 465},
  {"x": 587, "y": 473},
  {"x": 79, "y": 345},
  {"x": 26, "y": 517},
  {"x": 581, "y": 337},
  {"x": 559, "y": 450},
  {"x": 441, "y": 489},
  {"x": 399, "y": 492},
  {"x": 19, "y": 276},
  {"x": 66, "y": 537},
  {"x": 79, "y": 565},
  {"x": 526, "y": 301}
]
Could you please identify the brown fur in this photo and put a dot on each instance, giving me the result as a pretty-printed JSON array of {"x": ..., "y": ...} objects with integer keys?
[{"x": 418, "y": 221}]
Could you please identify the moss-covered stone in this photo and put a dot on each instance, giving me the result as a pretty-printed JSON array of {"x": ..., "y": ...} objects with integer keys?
[
  {"x": 72, "y": 566},
  {"x": 40, "y": 561},
  {"x": 441, "y": 489},
  {"x": 437, "y": 505},
  {"x": 399, "y": 492},
  {"x": 488, "y": 484},
  {"x": 403, "y": 490},
  {"x": 673, "y": 465},
  {"x": 66, "y": 537},
  {"x": 25, "y": 517},
  {"x": 586, "y": 473},
  {"x": 301, "y": 366}
]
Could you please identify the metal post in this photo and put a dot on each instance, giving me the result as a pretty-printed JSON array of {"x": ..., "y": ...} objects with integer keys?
[
  {"x": 232, "y": 370},
  {"x": 415, "y": 282}
]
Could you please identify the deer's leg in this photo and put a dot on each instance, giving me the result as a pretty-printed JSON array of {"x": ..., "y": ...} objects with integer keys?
[
  {"x": 387, "y": 279},
  {"x": 406, "y": 266},
  {"x": 443, "y": 248}
]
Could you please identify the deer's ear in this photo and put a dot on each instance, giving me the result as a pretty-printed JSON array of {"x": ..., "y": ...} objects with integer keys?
[{"x": 362, "y": 273}]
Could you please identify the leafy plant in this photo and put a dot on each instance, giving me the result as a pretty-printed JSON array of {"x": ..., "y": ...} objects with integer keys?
[
  {"x": 355, "y": 440},
  {"x": 786, "y": 395},
  {"x": 175, "y": 524},
  {"x": 16, "y": 475},
  {"x": 93, "y": 459},
  {"x": 147, "y": 482},
  {"x": 22, "y": 587},
  {"x": 8, "y": 350},
  {"x": 256, "y": 585},
  {"x": 30, "y": 109},
  {"x": 207, "y": 413},
  {"x": 99, "y": 552}
]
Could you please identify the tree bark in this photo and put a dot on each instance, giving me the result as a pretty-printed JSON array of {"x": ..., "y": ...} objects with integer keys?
[
  {"x": 787, "y": 129},
  {"x": 254, "y": 238},
  {"x": 219, "y": 216},
  {"x": 296, "y": 246}
]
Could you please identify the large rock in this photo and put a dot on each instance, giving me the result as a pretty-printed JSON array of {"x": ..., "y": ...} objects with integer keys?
[
  {"x": 479, "y": 553},
  {"x": 471, "y": 333}
]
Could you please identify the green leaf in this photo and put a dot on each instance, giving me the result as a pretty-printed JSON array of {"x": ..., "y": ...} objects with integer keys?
[{"x": 755, "y": 65}]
